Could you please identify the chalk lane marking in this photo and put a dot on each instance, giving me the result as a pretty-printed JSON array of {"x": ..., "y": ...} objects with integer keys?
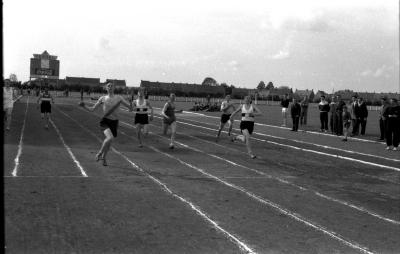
[
  {"x": 242, "y": 246},
  {"x": 269, "y": 203},
  {"x": 335, "y": 200},
  {"x": 78, "y": 165},
  {"x": 286, "y": 128},
  {"x": 307, "y": 150},
  {"x": 16, "y": 160},
  {"x": 309, "y": 143}
]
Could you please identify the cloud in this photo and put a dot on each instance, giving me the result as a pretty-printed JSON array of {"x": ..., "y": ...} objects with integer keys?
[
  {"x": 285, "y": 51},
  {"x": 282, "y": 54},
  {"x": 383, "y": 71}
]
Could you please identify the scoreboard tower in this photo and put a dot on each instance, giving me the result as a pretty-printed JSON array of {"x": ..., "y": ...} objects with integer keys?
[{"x": 44, "y": 67}]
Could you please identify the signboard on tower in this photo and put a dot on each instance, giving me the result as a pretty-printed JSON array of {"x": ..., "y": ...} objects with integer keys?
[{"x": 44, "y": 66}]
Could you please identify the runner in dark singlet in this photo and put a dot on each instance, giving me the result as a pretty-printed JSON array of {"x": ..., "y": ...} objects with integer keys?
[{"x": 169, "y": 119}]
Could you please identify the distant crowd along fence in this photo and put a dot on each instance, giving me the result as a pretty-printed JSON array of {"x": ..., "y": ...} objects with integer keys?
[{"x": 192, "y": 100}]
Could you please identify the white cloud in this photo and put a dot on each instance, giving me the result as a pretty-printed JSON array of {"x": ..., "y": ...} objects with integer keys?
[{"x": 281, "y": 55}]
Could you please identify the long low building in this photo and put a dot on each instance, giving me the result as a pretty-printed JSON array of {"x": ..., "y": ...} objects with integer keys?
[{"x": 182, "y": 88}]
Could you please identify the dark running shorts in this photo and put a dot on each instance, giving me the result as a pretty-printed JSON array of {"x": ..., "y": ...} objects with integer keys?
[
  {"x": 141, "y": 119},
  {"x": 225, "y": 118},
  {"x": 346, "y": 125},
  {"x": 247, "y": 125},
  {"x": 169, "y": 121},
  {"x": 45, "y": 107},
  {"x": 106, "y": 123}
]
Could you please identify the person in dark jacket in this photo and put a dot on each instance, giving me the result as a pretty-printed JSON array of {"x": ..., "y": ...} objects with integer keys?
[
  {"x": 339, "y": 115},
  {"x": 382, "y": 119},
  {"x": 354, "y": 123},
  {"x": 295, "y": 111},
  {"x": 362, "y": 114},
  {"x": 323, "y": 107},
  {"x": 392, "y": 116}
]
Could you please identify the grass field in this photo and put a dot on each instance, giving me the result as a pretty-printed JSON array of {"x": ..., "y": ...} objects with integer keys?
[{"x": 306, "y": 192}]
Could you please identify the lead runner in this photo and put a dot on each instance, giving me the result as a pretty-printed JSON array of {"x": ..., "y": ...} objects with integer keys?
[
  {"x": 227, "y": 108},
  {"x": 109, "y": 121}
]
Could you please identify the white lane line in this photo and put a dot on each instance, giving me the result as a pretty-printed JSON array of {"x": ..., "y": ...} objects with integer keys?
[
  {"x": 16, "y": 160},
  {"x": 287, "y": 128},
  {"x": 335, "y": 200},
  {"x": 276, "y": 206},
  {"x": 242, "y": 246},
  {"x": 304, "y": 142},
  {"x": 24, "y": 176},
  {"x": 78, "y": 165},
  {"x": 309, "y": 143},
  {"x": 307, "y": 150}
]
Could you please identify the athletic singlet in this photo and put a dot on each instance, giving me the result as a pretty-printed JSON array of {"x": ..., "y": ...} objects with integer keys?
[
  {"x": 45, "y": 97},
  {"x": 7, "y": 97},
  {"x": 141, "y": 108},
  {"x": 108, "y": 102},
  {"x": 170, "y": 111},
  {"x": 247, "y": 114}
]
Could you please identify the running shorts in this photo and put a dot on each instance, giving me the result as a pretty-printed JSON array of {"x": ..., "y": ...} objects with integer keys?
[
  {"x": 106, "y": 123},
  {"x": 141, "y": 119},
  {"x": 45, "y": 107},
  {"x": 247, "y": 125},
  {"x": 225, "y": 118}
]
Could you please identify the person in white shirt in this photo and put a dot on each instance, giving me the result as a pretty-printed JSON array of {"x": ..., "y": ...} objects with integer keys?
[
  {"x": 227, "y": 108},
  {"x": 247, "y": 123},
  {"x": 140, "y": 107},
  {"x": 9, "y": 97},
  {"x": 109, "y": 122}
]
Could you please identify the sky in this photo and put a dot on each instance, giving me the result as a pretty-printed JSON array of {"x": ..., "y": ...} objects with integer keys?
[{"x": 308, "y": 44}]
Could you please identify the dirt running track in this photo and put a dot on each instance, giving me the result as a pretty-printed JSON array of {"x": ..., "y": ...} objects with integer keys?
[{"x": 305, "y": 193}]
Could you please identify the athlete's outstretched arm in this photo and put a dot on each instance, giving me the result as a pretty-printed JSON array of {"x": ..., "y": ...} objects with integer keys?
[
  {"x": 257, "y": 111},
  {"x": 94, "y": 107},
  {"x": 235, "y": 112},
  {"x": 126, "y": 104}
]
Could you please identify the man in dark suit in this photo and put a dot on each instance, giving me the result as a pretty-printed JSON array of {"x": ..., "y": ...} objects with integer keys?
[
  {"x": 295, "y": 111},
  {"x": 362, "y": 114},
  {"x": 354, "y": 122}
]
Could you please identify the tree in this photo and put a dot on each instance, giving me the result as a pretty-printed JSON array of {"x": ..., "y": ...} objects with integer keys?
[
  {"x": 261, "y": 85},
  {"x": 209, "y": 82},
  {"x": 270, "y": 86},
  {"x": 13, "y": 77},
  {"x": 224, "y": 85}
]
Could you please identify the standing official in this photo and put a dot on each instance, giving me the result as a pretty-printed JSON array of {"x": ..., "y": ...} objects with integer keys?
[
  {"x": 304, "y": 111},
  {"x": 382, "y": 119},
  {"x": 392, "y": 116},
  {"x": 295, "y": 111},
  {"x": 362, "y": 115}
]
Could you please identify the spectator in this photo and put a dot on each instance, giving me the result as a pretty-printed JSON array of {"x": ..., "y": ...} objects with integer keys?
[
  {"x": 285, "y": 104},
  {"x": 323, "y": 115},
  {"x": 304, "y": 111},
  {"x": 339, "y": 114},
  {"x": 362, "y": 115},
  {"x": 354, "y": 124},
  {"x": 295, "y": 111},
  {"x": 382, "y": 119},
  {"x": 392, "y": 116},
  {"x": 81, "y": 94},
  {"x": 333, "y": 120},
  {"x": 346, "y": 117}
]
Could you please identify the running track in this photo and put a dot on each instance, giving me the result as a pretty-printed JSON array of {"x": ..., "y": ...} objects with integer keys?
[{"x": 304, "y": 194}]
